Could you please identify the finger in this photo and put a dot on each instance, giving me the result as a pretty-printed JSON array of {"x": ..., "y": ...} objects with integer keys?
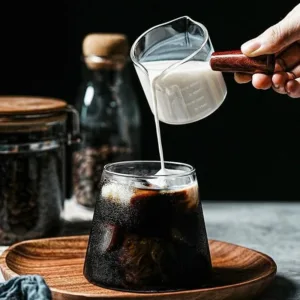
[
  {"x": 292, "y": 85},
  {"x": 295, "y": 72},
  {"x": 242, "y": 77},
  {"x": 276, "y": 37},
  {"x": 280, "y": 79},
  {"x": 280, "y": 65},
  {"x": 261, "y": 81},
  {"x": 290, "y": 57},
  {"x": 293, "y": 88},
  {"x": 294, "y": 11}
]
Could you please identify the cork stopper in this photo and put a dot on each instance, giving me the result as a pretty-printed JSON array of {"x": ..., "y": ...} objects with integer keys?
[{"x": 105, "y": 50}]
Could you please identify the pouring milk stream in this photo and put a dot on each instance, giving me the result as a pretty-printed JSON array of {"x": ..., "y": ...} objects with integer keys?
[
  {"x": 188, "y": 88},
  {"x": 179, "y": 85},
  {"x": 181, "y": 81}
]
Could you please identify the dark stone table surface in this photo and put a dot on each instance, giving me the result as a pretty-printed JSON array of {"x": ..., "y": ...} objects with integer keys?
[{"x": 269, "y": 227}]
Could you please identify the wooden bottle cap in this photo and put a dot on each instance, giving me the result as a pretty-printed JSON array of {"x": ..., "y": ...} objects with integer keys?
[
  {"x": 29, "y": 105},
  {"x": 104, "y": 49}
]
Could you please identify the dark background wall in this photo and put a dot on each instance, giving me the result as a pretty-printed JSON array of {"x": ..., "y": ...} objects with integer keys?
[{"x": 247, "y": 149}]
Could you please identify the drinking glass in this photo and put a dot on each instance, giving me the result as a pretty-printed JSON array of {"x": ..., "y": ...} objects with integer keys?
[{"x": 148, "y": 231}]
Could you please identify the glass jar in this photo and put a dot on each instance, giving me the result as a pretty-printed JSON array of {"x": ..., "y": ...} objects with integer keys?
[
  {"x": 34, "y": 133},
  {"x": 108, "y": 111}
]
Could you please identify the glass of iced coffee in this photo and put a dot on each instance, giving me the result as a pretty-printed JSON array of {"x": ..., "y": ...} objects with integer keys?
[{"x": 148, "y": 232}]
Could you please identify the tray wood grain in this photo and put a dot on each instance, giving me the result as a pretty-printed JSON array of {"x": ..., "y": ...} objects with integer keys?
[{"x": 239, "y": 272}]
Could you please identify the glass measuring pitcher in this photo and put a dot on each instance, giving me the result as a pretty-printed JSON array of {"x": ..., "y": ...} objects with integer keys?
[{"x": 172, "y": 63}]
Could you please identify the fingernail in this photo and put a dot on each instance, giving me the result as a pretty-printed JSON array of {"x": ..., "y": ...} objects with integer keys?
[{"x": 250, "y": 47}]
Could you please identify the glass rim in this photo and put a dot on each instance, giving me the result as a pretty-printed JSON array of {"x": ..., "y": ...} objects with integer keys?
[
  {"x": 139, "y": 38},
  {"x": 127, "y": 162}
]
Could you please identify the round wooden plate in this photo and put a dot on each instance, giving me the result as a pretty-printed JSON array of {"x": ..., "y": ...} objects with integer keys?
[{"x": 240, "y": 273}]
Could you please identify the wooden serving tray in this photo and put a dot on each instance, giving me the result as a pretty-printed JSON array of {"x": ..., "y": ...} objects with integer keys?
[{"x": 241, "y": 273}]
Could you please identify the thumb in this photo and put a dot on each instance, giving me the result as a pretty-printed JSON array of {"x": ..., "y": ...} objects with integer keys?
[{"x": 275, "y": 38}]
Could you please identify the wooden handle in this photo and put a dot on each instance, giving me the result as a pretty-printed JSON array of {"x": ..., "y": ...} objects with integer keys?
[{"x": 236, "y": 61}]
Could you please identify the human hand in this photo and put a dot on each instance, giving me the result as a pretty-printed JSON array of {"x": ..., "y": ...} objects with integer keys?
[{"x": 283, "y": 40}]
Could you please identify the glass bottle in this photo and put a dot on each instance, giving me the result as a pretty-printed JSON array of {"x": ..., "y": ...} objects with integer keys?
[{"x": 108, "y": 110}]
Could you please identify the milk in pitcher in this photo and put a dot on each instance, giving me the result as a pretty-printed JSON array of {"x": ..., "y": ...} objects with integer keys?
[{"x": 185, "y": 93}]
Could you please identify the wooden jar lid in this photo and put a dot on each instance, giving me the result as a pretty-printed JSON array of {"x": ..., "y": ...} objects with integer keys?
[
  {"x": 29, "y": 105},
  {"x": 37, "y": 107},
  {"x": 103, "y": 50}
]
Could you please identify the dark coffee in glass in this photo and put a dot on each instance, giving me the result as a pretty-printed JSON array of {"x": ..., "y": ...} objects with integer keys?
[{"x": 148, "y": 232}]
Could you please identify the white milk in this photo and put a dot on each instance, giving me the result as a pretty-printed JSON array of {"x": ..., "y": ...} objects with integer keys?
[
  {"x": 185, "y": 94},
  {"x": 182, "y": 95}
]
